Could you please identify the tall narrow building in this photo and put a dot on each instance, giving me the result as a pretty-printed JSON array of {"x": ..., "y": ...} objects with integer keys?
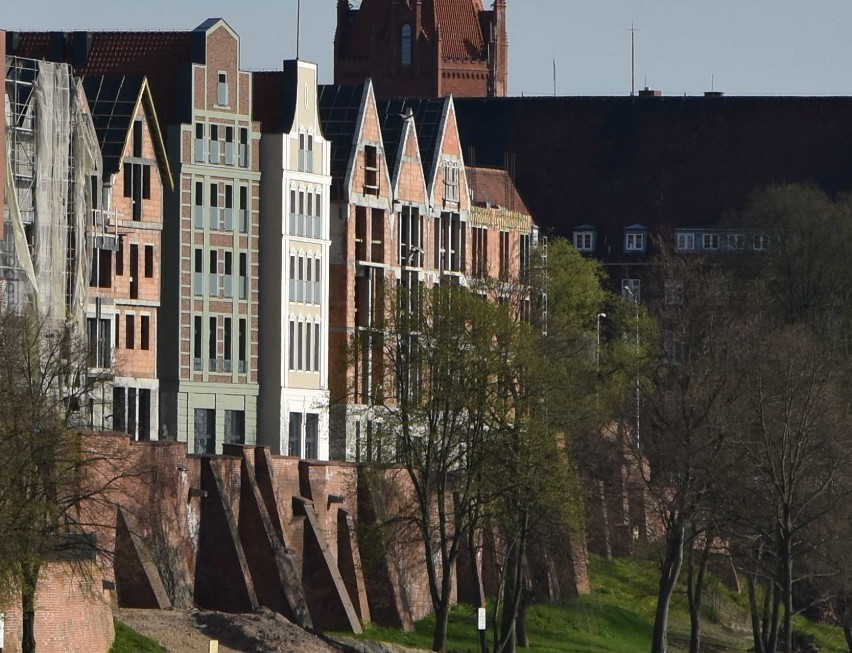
[{"x": 423, "y": 48}]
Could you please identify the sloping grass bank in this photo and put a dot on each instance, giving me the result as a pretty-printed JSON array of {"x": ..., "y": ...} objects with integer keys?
[{"x": 617, "y": 617}]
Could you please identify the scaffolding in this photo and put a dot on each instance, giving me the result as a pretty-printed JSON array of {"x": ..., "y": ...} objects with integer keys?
[{"x": 53, "y": 167}]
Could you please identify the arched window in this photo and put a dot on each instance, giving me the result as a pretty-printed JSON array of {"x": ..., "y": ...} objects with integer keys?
[{"x": 405, "y": 45}]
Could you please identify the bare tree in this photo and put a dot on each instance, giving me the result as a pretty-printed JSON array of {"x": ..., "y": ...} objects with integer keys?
[{"x": 43, "y": 381}]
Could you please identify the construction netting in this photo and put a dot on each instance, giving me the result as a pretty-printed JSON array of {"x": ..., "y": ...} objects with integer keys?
[{"x": 52, "y": 158}]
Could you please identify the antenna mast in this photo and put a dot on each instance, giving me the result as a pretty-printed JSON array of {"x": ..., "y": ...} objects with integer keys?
[
  {"x": 632, "y": 31},
  {"x": 298, "y": 24},
  {"x": 554, "y": 77}
]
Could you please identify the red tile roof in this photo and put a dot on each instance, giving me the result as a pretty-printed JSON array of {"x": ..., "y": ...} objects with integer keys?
[
  {"x": 495, "y": 187},
  {"x": 155, "y": 55}
]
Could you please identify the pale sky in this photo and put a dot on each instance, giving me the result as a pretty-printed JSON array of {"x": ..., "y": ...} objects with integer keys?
[{"x": 746, "y": 47}]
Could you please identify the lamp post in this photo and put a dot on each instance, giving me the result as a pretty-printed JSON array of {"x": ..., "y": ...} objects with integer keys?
[
  {"x": 598, "y": 346},
  {"x": 635, "y": 299}
]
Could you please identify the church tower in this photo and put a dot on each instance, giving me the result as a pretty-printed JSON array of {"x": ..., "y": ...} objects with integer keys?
[{"x": 423, "y": 48}]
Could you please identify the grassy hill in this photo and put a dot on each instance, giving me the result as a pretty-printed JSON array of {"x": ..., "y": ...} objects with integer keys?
[{"x": 617, "y": 617}]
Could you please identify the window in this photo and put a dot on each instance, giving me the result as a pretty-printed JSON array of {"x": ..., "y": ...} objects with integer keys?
[
  {"x": 228, "y": 344},
  {"x": 584, "y": 241},
  {"x": 119, "y": 258},
  {"x": 199, "y": 142},
  {"x": 243, "y": 278},
  {"x": 144, "y": 332},
  {"x": 291, "y": 346},
  {"x": 130, "y": 332},
  {"x": 235, "y": 427},
  {"x": 634, "y": 242},
  {"x": 243, "y": 147},
  {"x": 360, "y": 233},
  {"x": 736, "y": 242},
  {"x": 101, "y": 272},
  {"x": 631, "y": 290},
  {"x": 137, "y": 138},
  {"x": 685, "y": 241},
  {"x": 196, "y": 344},
  {"x": 214, "y": 143},
  {"x": 229, "y": 146},
  {"x": 134, "y": 271},
  {"x": 227, "y": 280},
  {"x": 229, "y": 208},
  {"x": 243, "y": 216},
  {"x": 205, "y": 430},
  {"x": 760, "y": 242},
  {"x": 222, "y": 89},
  {"x": 410, "y": 237},
  {"x": 211, "y": 344},
  {"x": 479, "y": 253},
  {"x": 405, "y": 45},
  {"x": 294, "y": 445},
  {"x": 100, "y": 349},
  {"x": 213, "y": 287},
  {"x": 450, "y": 241},
  {"x": 149, "y": 261},
  {"x": 214, "y": 206},
  {"x": 311, "y": 435},
  {"x": 451, "y": 182},
  {"x": 524, "y": 241},
  {"x": 306, "y": 152},
  {"x": 710, "y": 241},
  {"x": 198, "y": 207},
  {"x": 371, "y": 170},
  {"x": 316, "y": 347},
  {"x": 119, "y": 410},
  {"x": 504, "y": 256},
  {"x": 197, "y": 281},
  {"x": 241, "y": 345},
  {"x": 137, "y": 186}
]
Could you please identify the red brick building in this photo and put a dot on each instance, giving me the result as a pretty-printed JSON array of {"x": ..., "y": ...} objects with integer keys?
[{"x": 423, "y": 48}]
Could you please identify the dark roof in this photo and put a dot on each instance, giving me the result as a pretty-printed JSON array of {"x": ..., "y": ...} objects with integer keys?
[
  {"x": 427, "y": 121},
  {"x": 156, "y": 55},
  {"x": 494, "y": 187},
  {"x": 682, "y": 161},
  {"x": 274, "y": 96},
  {"x": 339, "y": 107},
  {"x": 112, "y": 101}
]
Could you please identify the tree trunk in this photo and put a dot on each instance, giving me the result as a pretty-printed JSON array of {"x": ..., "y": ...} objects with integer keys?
[
  {"x": 511, "y": 589},
  {"x": 521, "y": 627},
  {"x": 442, "y": 614},
  {"x": 756, "y": 629},
  {"x": 28, "y": 592},
  {"x": 772, "y": 639},
  {"x": 787, "y": 593},
  {"x": 695, "y": 590},
  {"x": 847, "y": 633},
  {"x": 476, "y": 578},
  {"x": 668, "y": 580}
]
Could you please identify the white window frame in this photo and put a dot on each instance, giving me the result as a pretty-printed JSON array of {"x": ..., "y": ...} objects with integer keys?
[
  {"x": 685, "y": 242},
  {"x": 580, "y": 241},
  {"x": 222, "y": 88},
  {"x": 634, "y": 241},
  {"x": 760, "y": 242},
  {"x": 710, "y": 242}
]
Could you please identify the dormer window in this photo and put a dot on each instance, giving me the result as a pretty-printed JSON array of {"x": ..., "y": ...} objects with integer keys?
[
  {"x": 685, "y": 241},
  {"x": 451, "y": 182},
  {"x": 760, "y": 243},
  {"x": 710, "y": 241},
  {"x": 584, "y": 239},
  {"x": 635, "y": 239},
  {"x": 405, "y": 45}
]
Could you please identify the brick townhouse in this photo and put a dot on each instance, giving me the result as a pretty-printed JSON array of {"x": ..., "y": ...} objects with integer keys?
[
  {"x": 124, "y": 292},
  {"x": 208, "y": 324}
]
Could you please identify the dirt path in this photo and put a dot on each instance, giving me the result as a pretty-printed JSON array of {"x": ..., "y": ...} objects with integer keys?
[{"x": 190, "y": 631}]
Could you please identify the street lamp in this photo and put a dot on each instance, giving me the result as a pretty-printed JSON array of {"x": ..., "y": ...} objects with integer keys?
[
  {"x": 626, "y": 288},
  {"x": 598, "y": 347}
]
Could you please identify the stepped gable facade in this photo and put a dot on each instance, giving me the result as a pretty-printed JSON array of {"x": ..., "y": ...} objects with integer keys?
[{"x": 423, "y": 48}]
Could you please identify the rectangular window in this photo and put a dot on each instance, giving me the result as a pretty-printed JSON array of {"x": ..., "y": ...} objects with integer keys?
[
  {"x": 229, "y": 208},
  {"x": 760, "y": 243},
  {"x": 244, "y": 147},
  {"x": 634, "y": 242},
  {"x": 309, "y": 332},
  {"x": 504, "y": 256},
  {"x": 199, "y": 142},
  {"x": 229, "y": 146},
  {"x": 149, "y": 261},
  {"x": 710, "y": 241},
  {"x": 227, "y": 343},
  {"x": 377, "y": 236},
  {"x": 524, "y": 257},
  {"x": 300, "y": 339},
  {"x": 130, "y": 332},
  {"x": 291, "y": 346},
  {"x": 293, "y": 212},
  {"x": 318, "y": 216},
  {"x": 119, "y": 258},
  {"x": 360, "y": 233},
  {"x": 214, "y": 206},
  {"x": 371, "y": 170},
  {"x": 213, "y": 270},
  {"x": 137, "y": 138},
  {"x": 228, "y": 275},
  {"x": 584, "y": 241},
  {"x": 317, "y": 279},
  {"x": 196, "y": 344},
  {"x": 451, "y": 182},
  {"x": 146, "y": 182},
  {"x": 311, "y": 435},
  {"x": 306, "y": 154},
  {"x": 205, "y": 430},
  {"x": 293, "y": 281},
  {"x": 736, "y": 242},
  {"x": 235, "y": 427},
  {"x": 119, "y": 410},
  {"x": 198, "y": 207},
  {"x": 685, "y": 242},
  {"x": 222, "y": 89},
  {"x": 198, "y": 276},
  {"x": 243, "y": 218},
  {"x": 294, "y": 445},
  {"x": 211, "y": 344},
  {"x": 241, "y": 345},
  {"x": 479, "y": 252},
  {"x": 214, "y": 144},
  {"x": 134, "y": 271},
  {"x": 410, "y": 237},
  {"x": 243, "y": 276},
  {"x": 100, "y": 350},
  {"x": 316, "y": 347},
  {"x": 144, "y": 332}
]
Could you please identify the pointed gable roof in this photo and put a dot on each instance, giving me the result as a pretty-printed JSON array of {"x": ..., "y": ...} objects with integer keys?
[
  {"x": 427, "y": 114},
  {"x": 114, "y": 102},
  {"x": 274, "y": 95},
  {"x": 340, "y": 109}
]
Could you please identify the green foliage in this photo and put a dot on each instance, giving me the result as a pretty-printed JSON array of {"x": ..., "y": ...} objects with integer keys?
[{"x": 128, "y": 640}]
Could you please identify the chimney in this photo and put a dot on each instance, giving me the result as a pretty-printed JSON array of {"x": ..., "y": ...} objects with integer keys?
[
  {"x": 713, "y": 94},
  {"x": 650, "y": 92}
]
